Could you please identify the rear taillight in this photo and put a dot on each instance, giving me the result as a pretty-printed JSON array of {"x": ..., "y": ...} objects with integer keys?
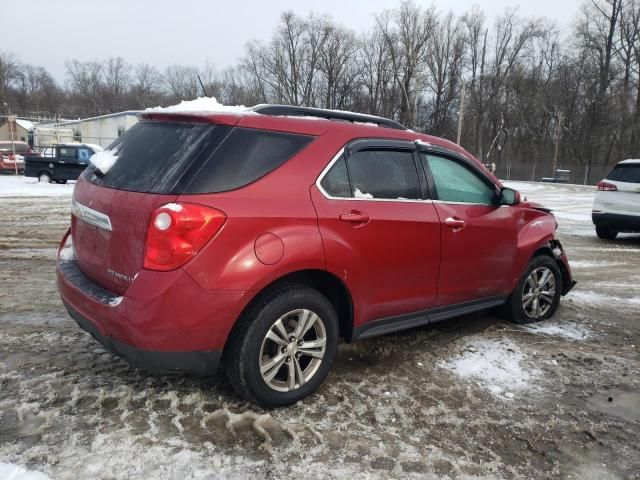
[
  {"x": 606, "y": 187},
  {"x": 177, "y": 231}
]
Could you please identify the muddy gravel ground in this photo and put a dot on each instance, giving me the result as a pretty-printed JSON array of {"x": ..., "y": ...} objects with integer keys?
[{"x": 470, "y": 397}]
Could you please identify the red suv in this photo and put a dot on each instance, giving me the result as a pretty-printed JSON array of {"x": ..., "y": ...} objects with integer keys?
[{"x": 259, "y": 239}]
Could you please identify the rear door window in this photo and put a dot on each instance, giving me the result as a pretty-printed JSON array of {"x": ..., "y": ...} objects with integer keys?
[
  {"x": 336, "y": 182},
  {"x": 626, "y": 172},
  {"x": 384, "y": 174},
  {"x": 176, "y": 158}
]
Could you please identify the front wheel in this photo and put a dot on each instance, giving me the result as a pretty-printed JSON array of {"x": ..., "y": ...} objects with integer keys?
[
  {"x": 606, "y": 233},
  {"x": 537, "y": 295},
  {"x": 44, "y": 178},
  {"x": 283, "y": 347}
]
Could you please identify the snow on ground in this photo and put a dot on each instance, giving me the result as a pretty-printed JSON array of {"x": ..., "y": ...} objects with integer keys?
[
  {"x": 600, "y": 298},
  {"x": 9, "y": 471},
  {"x": 572, "y": 331},
  {"x": 471, "y": 397},
  {"x": 571, "y": 204},
  {"x": 20, "y": 186},
  {"x": 200, "y": 104},
  {"x": 496, "y": 365},
  {"x": 588, "y": 264}
]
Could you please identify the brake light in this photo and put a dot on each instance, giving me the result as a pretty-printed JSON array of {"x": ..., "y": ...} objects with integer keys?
[
  {"x": 606, "y": 187},
  {"x": 177, "y": 232}
]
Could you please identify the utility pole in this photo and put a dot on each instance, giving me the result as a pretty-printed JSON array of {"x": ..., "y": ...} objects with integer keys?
[
  {"x": 461, "y": 111},
  {"x": 12, "y": 121},
  {"x": 555, "y": 154}
]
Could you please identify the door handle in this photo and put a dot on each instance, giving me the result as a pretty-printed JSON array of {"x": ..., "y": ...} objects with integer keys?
[
  {"x": 354, "y": 217},
  {"x": 455, "y": 224}
]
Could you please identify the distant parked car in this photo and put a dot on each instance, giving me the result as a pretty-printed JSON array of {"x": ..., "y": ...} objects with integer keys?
[
  {"x": 59, "y": 163},
  {"x": 12, "y": 155},
  {"x": 617, "y": 205}
]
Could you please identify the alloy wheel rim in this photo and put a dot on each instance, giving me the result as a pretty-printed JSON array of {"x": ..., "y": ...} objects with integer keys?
[
  {"x": 293, "y": 349},
  {"x": 539, "y": 292}
]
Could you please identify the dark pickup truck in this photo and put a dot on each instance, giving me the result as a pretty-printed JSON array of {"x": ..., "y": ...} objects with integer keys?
[{"x": 59, "y": 163}]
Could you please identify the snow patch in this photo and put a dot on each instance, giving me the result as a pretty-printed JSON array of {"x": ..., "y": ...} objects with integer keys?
[
  {"x": 67, "y": 253},
  {"x": 201, "y": 104},
  {"x": 26, "y": 124},
  {"x": 494, "y": 365},
  {"x": 19, "y": 186},
  {"x": 10, "y": 471},
  {"x": 572, "y": 332},
  {"x": 104, "y": 160},
  {"x": 359, "y": 194},
  {"x": 600, "y": 299},
  {"x": 114, "y": 302},
  {"x": 592, "y": 264},
  {"x": 174, "y": 207}
]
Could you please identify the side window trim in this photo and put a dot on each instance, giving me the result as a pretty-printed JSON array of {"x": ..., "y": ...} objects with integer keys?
[
  {"x": 357, "y": 145},
  {"x": 423, "y": 151}
]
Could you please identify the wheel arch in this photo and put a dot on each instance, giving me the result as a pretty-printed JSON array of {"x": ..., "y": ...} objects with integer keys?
[
  {"x": 547, "y": 250},
  {"x": 323, "y": 281}
]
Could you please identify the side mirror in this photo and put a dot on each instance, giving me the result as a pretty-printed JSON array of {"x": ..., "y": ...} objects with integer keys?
[{"x": 508, "y": 196}]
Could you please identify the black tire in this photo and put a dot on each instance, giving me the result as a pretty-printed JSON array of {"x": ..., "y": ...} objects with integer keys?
[
  {"x": 514, "y": 309},
  {"x": 606, "y": 233},
  {"x": 61, "y": 182},
  {"x": 44, "y": 177},
  {"x": 242, "y": 354}
]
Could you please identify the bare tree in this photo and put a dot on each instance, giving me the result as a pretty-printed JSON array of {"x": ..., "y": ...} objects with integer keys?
[
  {"x": 146, "y": 84},
  {"x": 444, "y": 66},
  {"x": 86, "y": 81},
  {"x": 597, "y": 37},
  {"x": 8, "y": 73},
  {"x": 376, "y": 74},
  {"x": 336, "y": 64},
  {"x": 407, "y": 31},
  {"x": 181, "y": 82}
]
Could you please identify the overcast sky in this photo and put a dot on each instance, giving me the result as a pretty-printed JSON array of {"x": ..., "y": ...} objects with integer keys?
[{"x": 162, "y": 32}]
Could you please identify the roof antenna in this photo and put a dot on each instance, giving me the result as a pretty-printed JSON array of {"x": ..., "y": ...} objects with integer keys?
[{"x": 204, "y": 90}]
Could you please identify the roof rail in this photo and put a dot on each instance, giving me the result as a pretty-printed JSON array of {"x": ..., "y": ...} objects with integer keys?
[{"x": 290, "y": 110}]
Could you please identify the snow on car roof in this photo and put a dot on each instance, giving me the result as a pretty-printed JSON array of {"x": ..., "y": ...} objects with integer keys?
[
  {"x": 631, "y": 160},
  {"x": 201, "y": 105}
]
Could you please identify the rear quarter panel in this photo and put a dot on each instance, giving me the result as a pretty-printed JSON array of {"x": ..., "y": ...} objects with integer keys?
[{"x": 278, "y": 204}]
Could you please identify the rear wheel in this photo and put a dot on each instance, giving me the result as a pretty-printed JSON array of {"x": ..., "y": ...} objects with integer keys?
[
  {"x": 606, "y": 233},
  {"x": 537, "y": 295},
  {"x": 283, "y": 347},
  {"x": 44, "y": 178}
]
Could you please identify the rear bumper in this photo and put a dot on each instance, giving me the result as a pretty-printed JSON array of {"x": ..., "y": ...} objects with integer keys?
[
  {"x": 165, "y": 322},
  {"x": 615, "y": 221},
  {"x": 200, "y": 363}
]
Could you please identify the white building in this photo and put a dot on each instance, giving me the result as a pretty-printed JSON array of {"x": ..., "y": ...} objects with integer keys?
[
  {"x": 15, "y": 129},
  {"x": 100, "y": 130}
]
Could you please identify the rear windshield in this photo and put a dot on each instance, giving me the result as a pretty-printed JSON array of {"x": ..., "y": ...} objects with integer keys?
[
  {"x": 168, "y": 157},
  {"x": 626, "y": 172}
]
